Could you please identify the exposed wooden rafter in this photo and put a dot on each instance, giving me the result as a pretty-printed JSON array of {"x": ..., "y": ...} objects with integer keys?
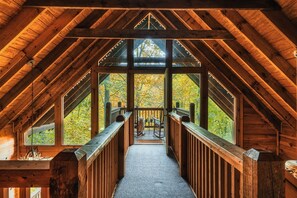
[
  {"x": 265, "y": 48},
  {"x": 76, "y": 71},
  {"x": 17, "y": 25},
  {"x": 207, "y": 57},
  {"x": 286, "y": 27},
  {"x": 152, "y": 34},
  {"x": 241, "y": 53},
  {"x": 153, "y": 4},
  {"x": 38, "y": 44}
]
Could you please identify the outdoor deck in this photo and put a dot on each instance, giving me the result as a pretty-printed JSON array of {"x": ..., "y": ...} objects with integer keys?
[
  {"x": 149, "y": 137},
  {"x": 151, "y": 173}
]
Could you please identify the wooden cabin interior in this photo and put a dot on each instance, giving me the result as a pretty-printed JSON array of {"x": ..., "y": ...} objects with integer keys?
[{"x": 53, "y": 54}]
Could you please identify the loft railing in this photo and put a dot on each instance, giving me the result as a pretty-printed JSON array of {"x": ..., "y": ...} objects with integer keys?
[
  {"x": 216, "y": 168},
  {"x": 90, "y": 171}
]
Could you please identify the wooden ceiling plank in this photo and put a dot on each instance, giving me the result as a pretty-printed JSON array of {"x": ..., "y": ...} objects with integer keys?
[
  {"x": 266, "y": 48},
  {"x": 13, "y": 113},
  {"x": 153, "y": 4},
  {"x": 35, "y": 72},
  {"x": 250, "y": 61},
  {"x": 284, "y": 26},
  {"x": 100, "y": 49},
  {"x": 152, "y": 34},
  {"x": 17, "y": 25},
  {"x": 229, "y": 60},
  {"x": 38, "y": 44},
  {"x": 206, "y": 56}
]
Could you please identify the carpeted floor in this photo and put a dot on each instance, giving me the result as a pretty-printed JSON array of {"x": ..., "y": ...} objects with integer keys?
[{"x": 151, "y": 173}]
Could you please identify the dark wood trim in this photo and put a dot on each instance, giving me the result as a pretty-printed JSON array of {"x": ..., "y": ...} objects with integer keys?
[
  {"x": 59, "y": 120},
  {"x": 130, "y": 89},
  {"x": 94, "y": 102},
  {"x": 156, "y": 5},
  {"x": 204, "y": 98},
  {"x": 152, "y": 34}
]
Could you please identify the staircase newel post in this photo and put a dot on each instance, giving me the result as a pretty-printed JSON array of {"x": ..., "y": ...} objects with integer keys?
[
  {"x": 183, "y": 147},
  {"x": 69, "y": 174},
  {"x": 263, "y": 174}
]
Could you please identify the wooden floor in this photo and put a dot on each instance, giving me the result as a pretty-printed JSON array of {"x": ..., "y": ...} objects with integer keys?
[{"x": 151, "y": 173}]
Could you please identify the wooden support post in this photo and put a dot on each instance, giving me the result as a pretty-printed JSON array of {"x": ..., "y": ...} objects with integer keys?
[
  {"x": 119, "y": 104},
  {"x": 107, "y": 114},
  {"x": 168, "y": 91},
  {"x": 130, "y": 89},
  {"x": 183, "y": 147},
  {"x": 94, "y": 103},
  {"x": 121, "y": 148},
  {"x": 263, "y": 174},
  {"x": 192, "y": 112},
  {"x": 59, "y": 121},
  {"x": 4, "y": 193},
  {"x": 69, "y": 174},
  {"x": 204, "y": 99},
  {"x": 177, "y": 105}
]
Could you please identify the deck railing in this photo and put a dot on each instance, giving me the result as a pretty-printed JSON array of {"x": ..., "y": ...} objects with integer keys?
[
  {"x": 90, "y": 171},
  {"x": 148, "y": 114},
  {"x": 216, "y": 168}
]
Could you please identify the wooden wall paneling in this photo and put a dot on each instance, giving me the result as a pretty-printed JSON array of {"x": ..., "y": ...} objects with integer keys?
[
  {"x": 17, "y": 25},
  {"x": 258, "y": 133},
  {"x": 38, "y": 44},
  {"x": 268, "y": 51},
  {"x": 151, "y": 5}
]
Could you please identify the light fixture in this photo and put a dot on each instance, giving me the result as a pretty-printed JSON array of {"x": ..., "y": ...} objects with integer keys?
[{"x": 33, "y": 153}]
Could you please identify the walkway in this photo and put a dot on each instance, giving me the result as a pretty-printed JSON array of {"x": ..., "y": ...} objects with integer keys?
[{"x": 151, "y": 173}]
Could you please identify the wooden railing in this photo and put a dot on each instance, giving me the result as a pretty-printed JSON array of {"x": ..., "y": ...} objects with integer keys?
[
  {"x": 148, "y": 114},
  {"x": 216, "y": 168},
  {"x": 90, "y": 171}
]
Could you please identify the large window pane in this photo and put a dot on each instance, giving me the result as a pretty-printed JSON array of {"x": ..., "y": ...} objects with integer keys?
[
  {"x": 112, "y": 88},
  {"x": 43, "y": 131},
  {"x": 149, "y": 53},
  {"x": 185, "y": 90},
  {"x": 149, "y": 90},
  {"x": 117, "y": 56},
  {"x": 77, "y": 112},
  {"x": 220, "y": 110}
]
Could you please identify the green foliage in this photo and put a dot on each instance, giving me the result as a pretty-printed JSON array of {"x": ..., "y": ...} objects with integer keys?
[
  {"x": 219, "y": 122},
  {"x": 77, "y": 124},
  {"x": 46, "y": 137},
  {"x": 149, "y": 90},
  {"x": 185, "y": 91}
]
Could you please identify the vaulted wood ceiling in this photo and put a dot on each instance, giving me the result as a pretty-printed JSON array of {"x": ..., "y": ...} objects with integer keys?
[{"x": 258, "y": 62}]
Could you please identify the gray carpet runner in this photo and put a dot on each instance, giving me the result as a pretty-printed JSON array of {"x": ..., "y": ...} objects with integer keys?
[{"x": 151, "y": 173}]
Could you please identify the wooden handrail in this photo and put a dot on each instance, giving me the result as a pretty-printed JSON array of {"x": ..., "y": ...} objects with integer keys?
[
  {"x": 229, "y": 152},
  {"x": 214, "y": 167},
  {"x": 95, "y": 146},
  {"x": 107, "y": 150}
]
